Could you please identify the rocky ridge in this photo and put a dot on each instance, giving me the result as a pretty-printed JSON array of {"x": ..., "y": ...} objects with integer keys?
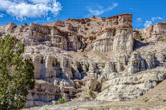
[{"x": 103, "y": 55}]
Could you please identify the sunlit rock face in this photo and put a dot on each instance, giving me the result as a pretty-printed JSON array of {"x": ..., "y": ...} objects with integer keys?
[{"x": 106, "y": 56}]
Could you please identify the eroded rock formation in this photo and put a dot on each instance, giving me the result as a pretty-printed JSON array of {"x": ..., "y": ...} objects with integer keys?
[{"x": 103, "y": 55}]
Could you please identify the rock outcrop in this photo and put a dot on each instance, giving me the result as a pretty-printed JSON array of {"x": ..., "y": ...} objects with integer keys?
[
  {"x": 153, "y": 33},
  {"x": 107, "y": 56}
]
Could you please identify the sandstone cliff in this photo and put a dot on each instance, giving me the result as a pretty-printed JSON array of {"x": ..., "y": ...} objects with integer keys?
[{"x": 103, "y": 55}]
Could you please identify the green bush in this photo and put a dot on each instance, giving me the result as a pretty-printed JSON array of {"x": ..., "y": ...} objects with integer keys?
[
  {"x": 25, "y": 24},
  {"x": 98, "y": 23},
  {"x": 93, "y": 16},
  {"x": 90, "y": 92},
  {"x": 62, "y": 100},
  {"x": 146, "y": 99},
  {"x": 161, "y": 38},
  {"x": 138, "y": 38},
  {"x": 87, "y": 24},
  {"x": 164, "y": 100},
  {"x": 93, "y": 32},
  {"x": 84, "y": 55},
  {"x": 140, "y": 33}
]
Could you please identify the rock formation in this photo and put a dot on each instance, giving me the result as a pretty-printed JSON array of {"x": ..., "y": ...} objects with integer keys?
[{"x": 106, "y": 56}]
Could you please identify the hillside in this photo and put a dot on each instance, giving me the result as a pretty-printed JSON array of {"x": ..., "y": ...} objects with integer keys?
[
  {"x": 102, "y": 55},
  {"x": 155, "y": 99}
]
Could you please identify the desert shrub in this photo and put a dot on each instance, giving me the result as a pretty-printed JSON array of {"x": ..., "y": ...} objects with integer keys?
[
  {"x": 98, "y": 23},
  {"x": 62, "y": 100},
  {"x": 90, "y": 92},
  {"x": 93, "y": 32},
  {"x": 138, "y": 38},
  {"x": 145, "y": 99},
  {"x": 140, "y": 33},
  {"x": 84, "y": 55},
  {"x": 87, "y": 24},
  {"x": 25, "y": 24},
  {"x": 164, "y": 100},
  {"x": 161, "y": 38},
  {"x": 93, "y": 16}
]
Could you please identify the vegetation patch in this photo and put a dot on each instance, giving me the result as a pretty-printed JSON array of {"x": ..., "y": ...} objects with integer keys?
[
  {"x": 25, "y": 24},
  {"x": 161, "y": 38},
  {"x": 139, "y": 37},
  {"x": 87, "y": 24},
  {"x": 146, "y": 99},
  {"x": 93, "y": 16},
  {"x": 93, "y": 32},
  {"x": 62, "y": 100},
  {"x": 84, "y": 55},
  {"x": 90, "y": 92},
  {"x": 164, "y": 100},
  {"x": 98, "y": 23},
  {"x": 16, "y": 74}
]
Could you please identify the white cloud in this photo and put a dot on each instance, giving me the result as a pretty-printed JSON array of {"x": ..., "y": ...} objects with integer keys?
[
  {"x": 148, "y": 23},
  {"x": 138, "y": 22},
  {"x": 48, "y": 19},
  {"x": 22, "y": 10},
  {"x": 1, "y": 15},
  {"x": 156, "y": 18},
  {"x": 111, "y": 7},
  {"x": 40, "y": 1},
  {"x": 139, "y": 19},
  {"x": 100, "y": 10}
]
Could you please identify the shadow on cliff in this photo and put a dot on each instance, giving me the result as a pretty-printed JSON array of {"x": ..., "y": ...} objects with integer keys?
[{"x": 139, "y": 44}]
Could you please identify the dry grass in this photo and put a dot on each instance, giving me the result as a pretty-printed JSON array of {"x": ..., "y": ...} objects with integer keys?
[{"x": 101, "y": 55}]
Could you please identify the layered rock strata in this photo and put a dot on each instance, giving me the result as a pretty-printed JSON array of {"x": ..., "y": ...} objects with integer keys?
[{"x": 76, "y": 56}]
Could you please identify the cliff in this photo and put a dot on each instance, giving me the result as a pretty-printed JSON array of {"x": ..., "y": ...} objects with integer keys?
[{"x": 103, "y": 55}]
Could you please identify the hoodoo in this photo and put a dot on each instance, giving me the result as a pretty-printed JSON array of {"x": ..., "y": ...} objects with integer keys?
[{"x": 92, "y": 59}]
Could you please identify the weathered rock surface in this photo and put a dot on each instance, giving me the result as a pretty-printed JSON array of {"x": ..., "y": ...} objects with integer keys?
[
  {"x": 106, "y": 56},
  {"x": 153, "y": 33}
]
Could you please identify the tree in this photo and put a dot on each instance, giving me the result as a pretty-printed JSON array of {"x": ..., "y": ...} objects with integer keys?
[
  {"x": 25, "y": 24},
  {"x": 93, "y": 16},
  {"x": 16, "y": 74}
]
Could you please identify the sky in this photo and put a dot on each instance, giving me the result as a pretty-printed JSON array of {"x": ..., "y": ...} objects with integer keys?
[{"x": 145, "y": 12}]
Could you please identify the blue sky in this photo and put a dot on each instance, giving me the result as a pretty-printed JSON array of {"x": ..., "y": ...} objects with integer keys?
[{"x": 145, "y": 12}]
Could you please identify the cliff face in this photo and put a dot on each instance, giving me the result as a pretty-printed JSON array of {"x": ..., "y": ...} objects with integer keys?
[
  {"x": 77, "y": 55},
  {"x": 156, "y": 32}
]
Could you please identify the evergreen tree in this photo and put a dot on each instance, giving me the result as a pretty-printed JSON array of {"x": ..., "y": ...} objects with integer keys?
[{"x": 16, "y": 74}]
